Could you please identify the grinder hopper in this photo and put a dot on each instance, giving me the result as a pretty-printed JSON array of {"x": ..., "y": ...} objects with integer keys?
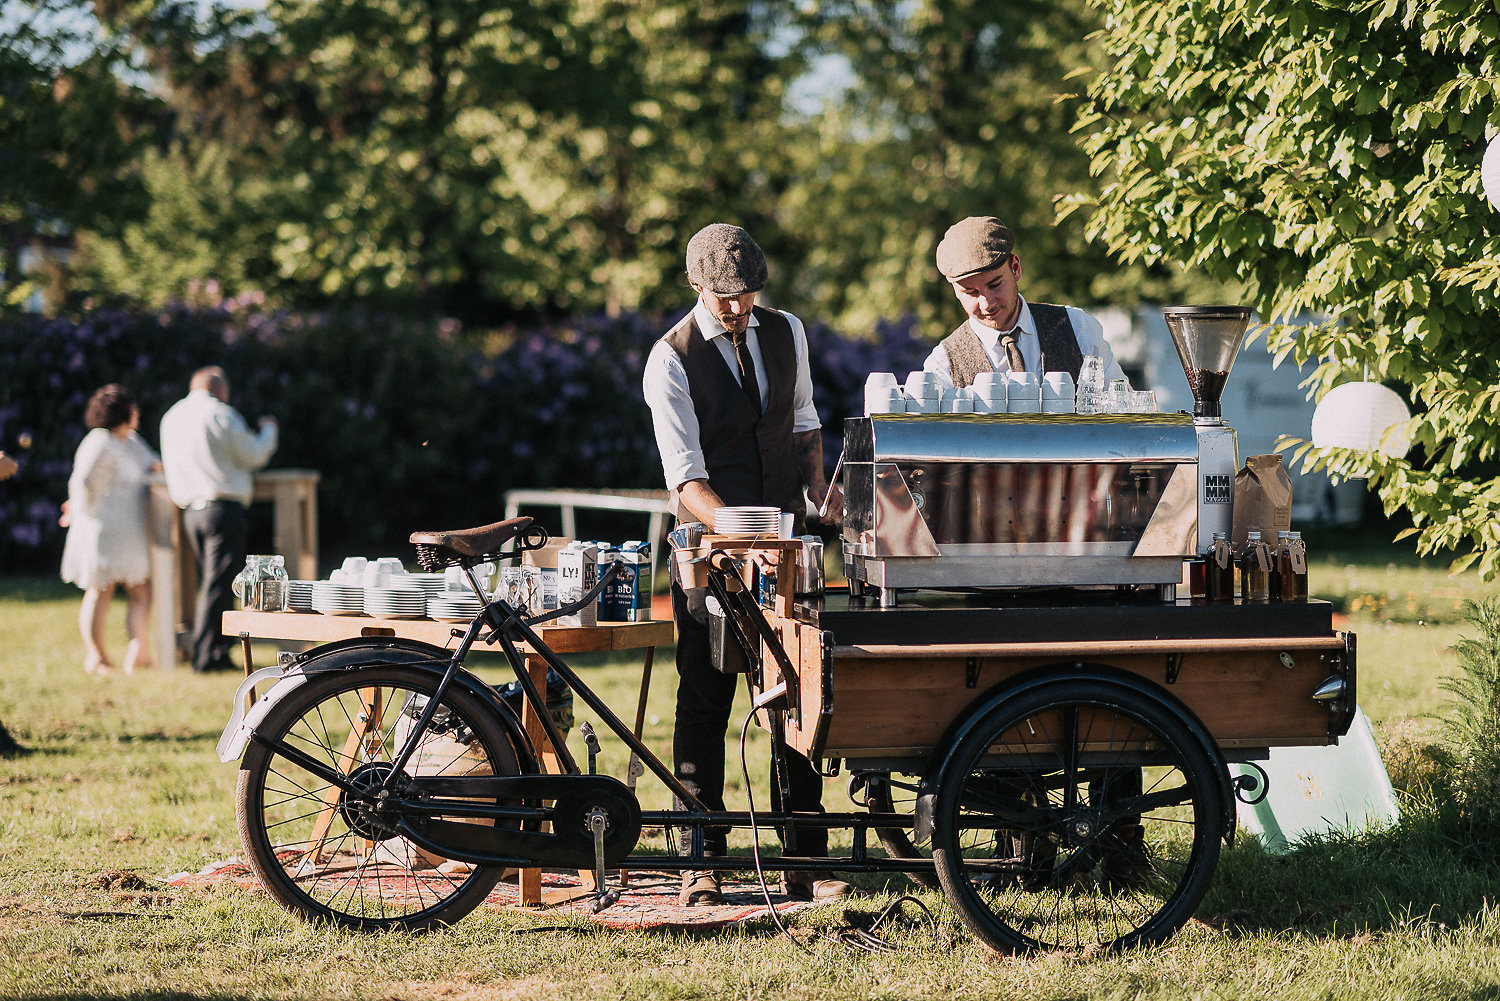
[{"x": 1208, "y": 339}]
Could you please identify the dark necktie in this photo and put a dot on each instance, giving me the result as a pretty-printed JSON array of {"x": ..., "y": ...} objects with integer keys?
[
  {"x": 748, "y": 382},
  {"x": 1012, "y": 351}
]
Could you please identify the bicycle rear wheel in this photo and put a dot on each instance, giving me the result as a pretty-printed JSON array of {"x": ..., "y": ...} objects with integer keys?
[
  {"x": 321, "y": 851},
  {"x": 1078, "y": 814}
]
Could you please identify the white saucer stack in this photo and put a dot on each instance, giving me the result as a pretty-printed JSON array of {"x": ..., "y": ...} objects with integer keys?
[
  {"x": 299, "y": 595},
  {"x": 337, "y": 599},
  {"x": 395, "y": 602},
  {"x": 453, "y": 606},
  {"x": 747, "y": 522}
]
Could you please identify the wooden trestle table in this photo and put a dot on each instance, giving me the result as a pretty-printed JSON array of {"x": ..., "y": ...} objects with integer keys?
[{"x": 607, "y": 636}]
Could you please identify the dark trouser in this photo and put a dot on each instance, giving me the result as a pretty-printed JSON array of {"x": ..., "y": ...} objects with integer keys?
[
  {"x": 217, "y": 536},
  {"x": 704, "y": 700}
]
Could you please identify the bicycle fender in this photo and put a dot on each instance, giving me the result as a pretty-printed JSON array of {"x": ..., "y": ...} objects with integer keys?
[
  {"x": 242, "y": 724},
  {"x": 350, "y": 655}
]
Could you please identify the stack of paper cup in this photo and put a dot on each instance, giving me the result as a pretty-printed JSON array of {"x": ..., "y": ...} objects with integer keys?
[
  {"x": 988, "y": 393},
  {"x": 1057, "y": 393},
  {"x": 957, "y": 401},
  {"x": 922, "y": 393},
  {"x": 1023, "y": 394},
  {"x": 883, "y": 394}
]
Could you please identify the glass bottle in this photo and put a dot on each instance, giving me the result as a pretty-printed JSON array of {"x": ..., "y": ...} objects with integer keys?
[
  {"x": 1197, "y": 575},
  {"x": 1255, "y": 570},
  {"x": 1293, "y": 569},
  {"x": 1277, "y": 551},
  {"x": 1220, "y": 576},
  {"x": 1088, "y": 397}
]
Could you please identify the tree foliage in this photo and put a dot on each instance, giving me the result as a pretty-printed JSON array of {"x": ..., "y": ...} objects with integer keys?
[
  {"x": 1325, "y": 153},
  {"x": 495, "y": 159}
]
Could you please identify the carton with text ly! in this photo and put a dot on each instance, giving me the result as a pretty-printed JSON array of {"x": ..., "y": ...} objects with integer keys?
[{"x": 577, "y": 571}]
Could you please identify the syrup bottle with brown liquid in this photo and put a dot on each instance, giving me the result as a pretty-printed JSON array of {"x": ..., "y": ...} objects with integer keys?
[
  {"x": 1292, "y": 568},
  {"x": 1220, "y": 570},
  {"x": 1255, "y": 570}
]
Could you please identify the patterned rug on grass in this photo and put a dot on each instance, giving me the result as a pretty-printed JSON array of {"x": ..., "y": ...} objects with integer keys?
[{"x": 648, "y": 901}]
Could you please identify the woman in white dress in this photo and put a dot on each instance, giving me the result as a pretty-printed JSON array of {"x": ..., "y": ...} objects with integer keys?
[{"x": 106, "y": 519}]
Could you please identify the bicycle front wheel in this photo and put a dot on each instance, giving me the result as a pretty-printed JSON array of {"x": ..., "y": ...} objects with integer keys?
[{"x": 320, "y": 850}]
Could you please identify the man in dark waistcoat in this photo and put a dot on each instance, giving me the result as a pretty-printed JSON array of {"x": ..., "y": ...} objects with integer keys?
[
  {"x": 1003, "y": 332},
  {"x": 730, "y": 393}
]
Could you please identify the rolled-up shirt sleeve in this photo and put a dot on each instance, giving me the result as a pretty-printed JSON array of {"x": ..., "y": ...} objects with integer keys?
[
  {"x": 804, "y": 411},
  {"x": 666, "y": 388}
]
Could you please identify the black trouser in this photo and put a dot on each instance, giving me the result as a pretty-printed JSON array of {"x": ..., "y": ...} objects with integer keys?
[
  {"x": 217, "y": 537},
  {"x": 704, "y": 700}
]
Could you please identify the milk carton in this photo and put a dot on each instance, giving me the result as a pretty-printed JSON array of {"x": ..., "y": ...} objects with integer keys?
[
  {"x": 577, "y": 572},
  {"x": 629, "y": 594},
  {"x": 608, "y": 555}
]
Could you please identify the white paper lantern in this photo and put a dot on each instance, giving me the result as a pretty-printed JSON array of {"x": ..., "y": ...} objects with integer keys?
[
  {"x": 1357, "y": 415},
  {"x": 1489, "y": 171}
]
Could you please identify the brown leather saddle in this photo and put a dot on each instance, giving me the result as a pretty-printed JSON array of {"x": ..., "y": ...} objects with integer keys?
[{"x": 468, "y": 544}]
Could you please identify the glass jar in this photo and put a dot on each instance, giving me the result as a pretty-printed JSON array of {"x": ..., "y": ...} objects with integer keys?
[
  {"x": 1220, "y": 569},
  {"x": 1255, "y": 570},
  {"x": 262, "y": 585}
]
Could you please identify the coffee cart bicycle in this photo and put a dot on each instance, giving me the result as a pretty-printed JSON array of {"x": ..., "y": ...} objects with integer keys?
[
  {"x": 1055, "y": 758},
  {"x": 1073, "y": 798}
]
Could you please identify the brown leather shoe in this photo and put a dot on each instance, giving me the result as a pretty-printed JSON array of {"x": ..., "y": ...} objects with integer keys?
[
  {"x": 814, "y": 886},
  {"x": 700, "y": 888}
]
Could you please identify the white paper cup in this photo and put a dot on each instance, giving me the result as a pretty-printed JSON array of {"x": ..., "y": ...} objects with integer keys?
[
  {"x": 922, "y": 404},
  {"x": 1057, "y": 393},
  {"x": 922, "y": 384},
  {"x": 889, "y": 400},
  {"x": 881, "y": 380},
  {"x": 355, "y": 565},
  {"x": 788, "y": 525},
  {"x": 957, "y": 401},
  {"x": 1023, "y": 394}
]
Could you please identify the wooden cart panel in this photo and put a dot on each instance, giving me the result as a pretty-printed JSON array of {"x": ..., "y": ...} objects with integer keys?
[{"x": 881, "y": 702}]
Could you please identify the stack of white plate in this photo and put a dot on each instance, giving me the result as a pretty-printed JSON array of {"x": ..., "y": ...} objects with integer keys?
[
  {"x": 453, "y": 607},
  {"x": 430, "y": 583},
  {"x": 743, "y": 522},
  {"x": 395, "y": 602},
  {"x": 337, "y": 599},
  {"x": 299, "y": 595}
]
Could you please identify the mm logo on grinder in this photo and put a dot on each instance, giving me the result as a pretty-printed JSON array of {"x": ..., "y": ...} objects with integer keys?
[{"x": 1217, "y": 489}]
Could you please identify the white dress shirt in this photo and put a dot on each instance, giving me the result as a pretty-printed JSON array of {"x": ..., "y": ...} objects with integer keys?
[
  {"x": 208, "y": 452},
  {"x": 671, "y": 402},
  {"x": 1088, "y": 330}
]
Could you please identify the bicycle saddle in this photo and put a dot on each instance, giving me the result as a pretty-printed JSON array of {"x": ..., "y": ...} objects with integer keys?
[{"x": 474, "y": 542}]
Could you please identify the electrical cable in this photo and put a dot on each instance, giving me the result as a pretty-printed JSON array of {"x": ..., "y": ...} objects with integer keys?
[{"x": 851, "y": 936}]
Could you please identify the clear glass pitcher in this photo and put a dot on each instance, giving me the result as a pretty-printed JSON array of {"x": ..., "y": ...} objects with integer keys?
[{"x": 261, "y": 586}]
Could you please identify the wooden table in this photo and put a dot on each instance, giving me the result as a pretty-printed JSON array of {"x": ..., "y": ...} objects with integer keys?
[
  {"x": 605, "y": 637},
  {"x": 293, "y": 494}
]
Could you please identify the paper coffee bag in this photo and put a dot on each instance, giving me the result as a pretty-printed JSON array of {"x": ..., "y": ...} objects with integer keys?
[{"x": 1262, "y": 499}]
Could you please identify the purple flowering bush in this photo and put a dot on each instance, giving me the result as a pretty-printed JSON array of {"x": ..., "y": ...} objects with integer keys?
[{"x": 412, "y": 426}]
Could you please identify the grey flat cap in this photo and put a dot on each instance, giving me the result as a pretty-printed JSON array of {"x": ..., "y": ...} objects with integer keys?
[
  {"x": 724, "y": 260},
  {"x": 972, "y": 245}
]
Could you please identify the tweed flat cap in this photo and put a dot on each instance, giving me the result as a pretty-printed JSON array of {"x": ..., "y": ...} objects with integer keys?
[
  {"x": 723, "y": 259},
  {"x": 972, "y": 245}
]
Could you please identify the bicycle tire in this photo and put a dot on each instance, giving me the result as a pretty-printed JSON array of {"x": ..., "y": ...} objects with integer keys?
[
  {"x": 314, "y": 849},
  {"x": 1079, "y": 814}
]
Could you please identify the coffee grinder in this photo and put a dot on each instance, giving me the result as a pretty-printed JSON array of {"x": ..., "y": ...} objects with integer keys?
[{"x": 1208, "y": 339}]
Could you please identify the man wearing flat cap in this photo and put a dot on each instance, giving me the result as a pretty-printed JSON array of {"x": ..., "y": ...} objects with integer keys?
[
  {"x": 730, "y": 393},
  {"x": 1005, "y": 333}
]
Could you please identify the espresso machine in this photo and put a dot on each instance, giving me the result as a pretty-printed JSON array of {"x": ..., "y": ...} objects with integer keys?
[{"x": 1011, "y": 500}]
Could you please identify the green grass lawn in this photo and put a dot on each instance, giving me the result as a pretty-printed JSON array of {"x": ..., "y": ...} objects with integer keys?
[{"x": 122, "y": 778}]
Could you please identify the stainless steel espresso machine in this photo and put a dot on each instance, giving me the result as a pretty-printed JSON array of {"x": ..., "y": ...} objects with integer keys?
[{"x": 960, "y": 501}]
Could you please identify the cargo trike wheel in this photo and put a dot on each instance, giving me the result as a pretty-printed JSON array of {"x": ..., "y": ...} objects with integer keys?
[
  {"x": 1077, "y": 814},
  {"x": 332, "y": 853}
]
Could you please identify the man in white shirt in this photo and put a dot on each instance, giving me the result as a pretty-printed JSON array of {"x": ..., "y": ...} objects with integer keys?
[
  {"x": 208, "y": 456},
  {"x": 1003, "y": 332},
  {"x": 730, "y": 392}
]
